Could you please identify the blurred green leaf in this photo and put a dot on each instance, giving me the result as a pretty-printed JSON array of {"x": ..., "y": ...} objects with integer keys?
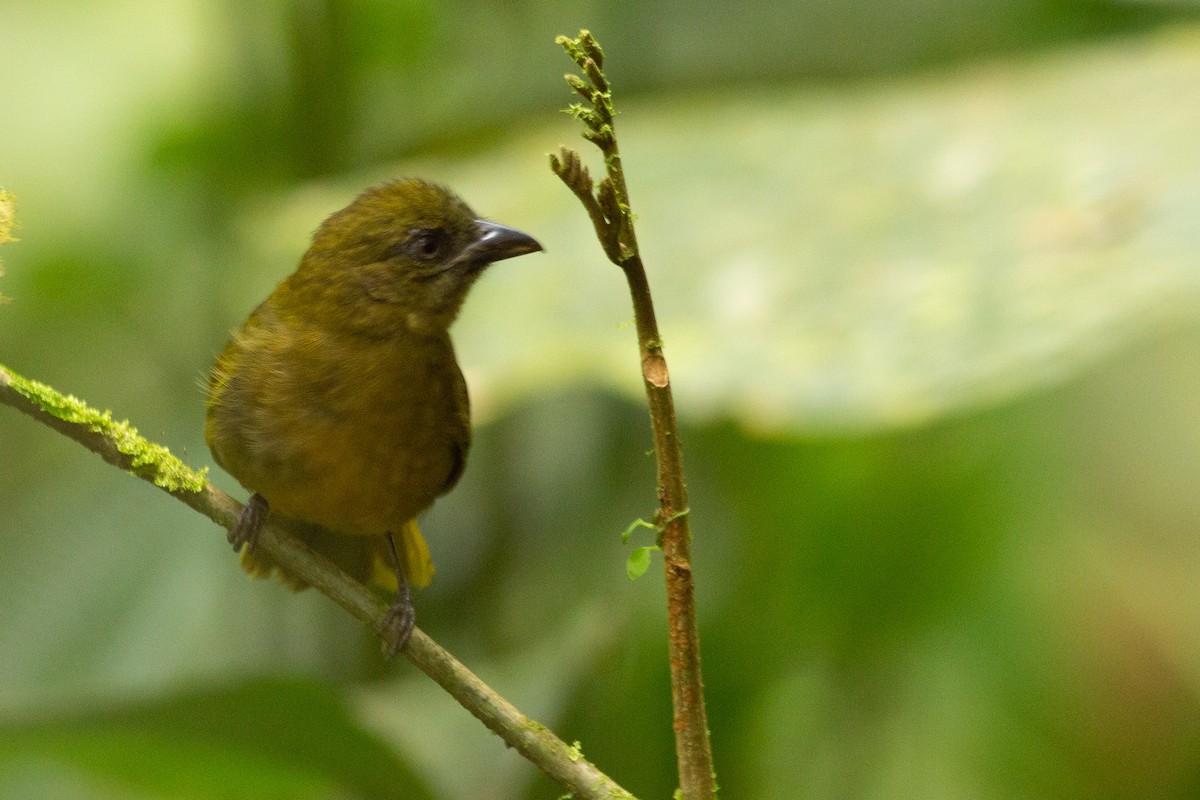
[
  {"x": 857, "y": 257},
  {"x": 540, "y": 674},
  {"x": 262, "y": 739}
]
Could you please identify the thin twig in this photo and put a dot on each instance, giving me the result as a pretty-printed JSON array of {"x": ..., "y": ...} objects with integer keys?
[
  {"x": 608, "y": 206},
  {"x": 120, "y": 445}
]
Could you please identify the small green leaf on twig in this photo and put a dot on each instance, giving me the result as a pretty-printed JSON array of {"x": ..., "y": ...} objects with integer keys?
[
  {"x": 639, "y": 561},
  {"x": 633, "y": 526},
  {"x": 575, "y": 752}
]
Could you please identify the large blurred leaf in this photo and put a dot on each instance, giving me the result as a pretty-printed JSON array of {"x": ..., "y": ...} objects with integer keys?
[
  {"x": 263, "y": 739},
  {"x": 539, "y": 678},
  {"x": 895, "y": 252},
  {"x": 876, "y": 255}
]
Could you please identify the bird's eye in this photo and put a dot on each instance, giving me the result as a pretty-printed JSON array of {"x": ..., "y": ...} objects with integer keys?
[{"x": 429, "y": 244}]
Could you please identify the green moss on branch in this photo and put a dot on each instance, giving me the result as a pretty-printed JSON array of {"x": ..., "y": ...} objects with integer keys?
[{"x": 147, "y": 459}]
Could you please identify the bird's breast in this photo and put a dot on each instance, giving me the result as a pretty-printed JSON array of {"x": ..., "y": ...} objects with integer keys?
[{"x": 359, "y": 438}]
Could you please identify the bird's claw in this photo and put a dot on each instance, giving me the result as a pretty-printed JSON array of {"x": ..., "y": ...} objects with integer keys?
[
  {"x": 250, "y": 522},
  {"x": 398, "y": 623}
]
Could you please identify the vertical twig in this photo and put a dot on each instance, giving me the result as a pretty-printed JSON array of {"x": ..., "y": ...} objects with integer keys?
[{"x": 607, "y": 203}]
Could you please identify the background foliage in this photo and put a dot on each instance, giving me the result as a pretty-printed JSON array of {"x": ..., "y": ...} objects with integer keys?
[{"x": 927, "y": 276}]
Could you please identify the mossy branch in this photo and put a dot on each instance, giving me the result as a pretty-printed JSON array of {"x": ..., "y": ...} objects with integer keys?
[
  {"x": 607, "y": 203},
  {"x": 119, "y": 444}
]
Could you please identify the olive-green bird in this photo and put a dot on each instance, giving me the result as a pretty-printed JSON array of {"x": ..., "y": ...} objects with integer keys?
[{"x": 340, "y": 402}]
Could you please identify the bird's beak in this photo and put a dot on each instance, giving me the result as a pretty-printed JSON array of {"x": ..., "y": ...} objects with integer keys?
[{"x": 497, "y": 242}]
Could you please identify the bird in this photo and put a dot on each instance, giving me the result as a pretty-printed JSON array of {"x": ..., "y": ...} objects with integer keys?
[{"x": 339, "y": 404}]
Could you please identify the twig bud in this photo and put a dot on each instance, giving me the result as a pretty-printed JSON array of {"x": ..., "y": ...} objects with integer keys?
[
  {"x": 606, "y": 196},
  {"x": 568, "y": 166},
  {"x": 592, "y": 69},
  {"x": 591, "y": 47},
  {"x": 602, "y": 137},
  {"x": 580, "y": 85}
]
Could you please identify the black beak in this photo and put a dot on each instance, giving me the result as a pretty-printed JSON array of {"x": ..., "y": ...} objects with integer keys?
[{"x": 497, "y": 242}]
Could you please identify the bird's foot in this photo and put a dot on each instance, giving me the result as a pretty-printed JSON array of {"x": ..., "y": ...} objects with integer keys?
[
  {"x": 253, "y": 516},
  {"x": 398, "y": 622}
]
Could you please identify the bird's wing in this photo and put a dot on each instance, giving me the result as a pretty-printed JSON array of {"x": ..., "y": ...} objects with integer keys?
[{"x": 460, "y": 433}]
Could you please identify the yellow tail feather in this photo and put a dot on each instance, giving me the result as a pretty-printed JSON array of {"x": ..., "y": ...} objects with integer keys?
[{"x": 414, "y": 560}]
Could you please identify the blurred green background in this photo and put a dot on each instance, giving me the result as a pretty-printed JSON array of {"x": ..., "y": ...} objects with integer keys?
[{"x": 928, "y": 279}]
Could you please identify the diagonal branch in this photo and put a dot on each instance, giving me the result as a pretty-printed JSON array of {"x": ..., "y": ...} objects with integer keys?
[{"x": 120, "y": 445}]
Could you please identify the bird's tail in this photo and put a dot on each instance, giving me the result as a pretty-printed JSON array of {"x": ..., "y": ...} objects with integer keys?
[
  {"x": 366, "y": 558},
  {"x": 414, "y": 560}
]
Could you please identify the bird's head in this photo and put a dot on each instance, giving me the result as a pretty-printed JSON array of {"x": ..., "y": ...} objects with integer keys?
[{"x": 403, "y": 254}]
